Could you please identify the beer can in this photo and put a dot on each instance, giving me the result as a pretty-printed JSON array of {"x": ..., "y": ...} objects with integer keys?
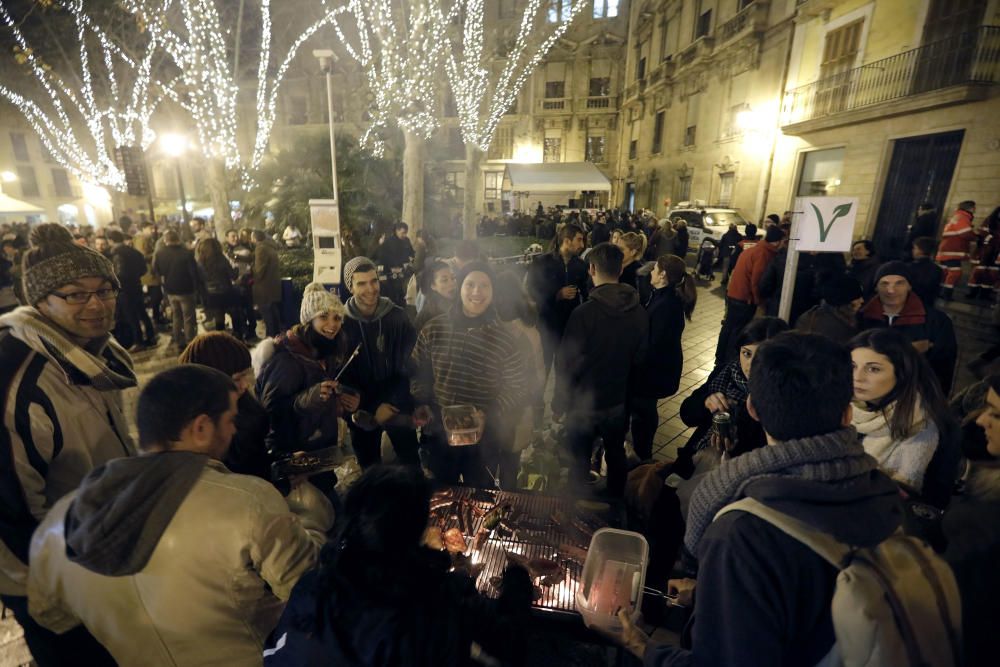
[{"x": 722, "y": 425}]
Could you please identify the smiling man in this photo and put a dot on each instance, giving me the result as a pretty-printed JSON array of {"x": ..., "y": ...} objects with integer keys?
[{"x": 61, "y": 378}]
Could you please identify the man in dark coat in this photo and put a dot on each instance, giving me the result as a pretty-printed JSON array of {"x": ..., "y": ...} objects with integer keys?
[
  {"x": 130, "y": 267},
  {"x": 384, "y": 337},
  {"x": 395, "y": 261},
  {"x": 557, "y": 283},
  {"x": 267, "y": 282},
  {"x": 926, "y": 224},
  {"x": 925, "y": 273},
  {"x": 174, "y": 265},
  {"x": 863, "y": 266},
  {"x": 605, "y": 341},
  {"x": 763, "y": 597}
]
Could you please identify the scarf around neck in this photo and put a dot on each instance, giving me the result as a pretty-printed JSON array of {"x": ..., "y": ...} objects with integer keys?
[
  {"x": 109, "y": 371},
  {"x": 831, "y": 458},
  {"x": 904, "y": 459}
]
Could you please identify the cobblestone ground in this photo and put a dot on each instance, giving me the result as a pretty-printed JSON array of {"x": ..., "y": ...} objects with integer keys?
[{"x": 699, "y": 340}]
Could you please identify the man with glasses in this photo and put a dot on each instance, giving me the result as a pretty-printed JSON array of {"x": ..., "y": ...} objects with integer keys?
[{"x": 61, "y": 380}]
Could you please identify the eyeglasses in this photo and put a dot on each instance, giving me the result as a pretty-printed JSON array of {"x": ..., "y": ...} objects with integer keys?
[{"x": 81, "y": 298}]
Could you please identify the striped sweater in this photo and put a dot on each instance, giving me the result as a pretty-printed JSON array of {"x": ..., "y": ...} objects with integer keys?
[{"x": 463, "y": 361}]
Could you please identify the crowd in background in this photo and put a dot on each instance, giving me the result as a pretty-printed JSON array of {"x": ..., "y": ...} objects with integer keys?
[{"x": 851, "y": 393}]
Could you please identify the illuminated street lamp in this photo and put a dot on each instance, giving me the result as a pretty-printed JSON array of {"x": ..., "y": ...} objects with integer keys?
[{"x": 175, "y": 145}]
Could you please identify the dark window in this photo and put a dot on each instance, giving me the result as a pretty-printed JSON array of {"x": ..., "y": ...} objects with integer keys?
[
  {"x": 704, "y": 24},
  {"x": 658, "y": 131},
  {"x": 507, "y": 9},
  {"x": 600, "y": 86},
  {"x": 633, "y": 149},
  {"x": 20, "y": 147},
  {"x": 29, "y": 184},
  {"x": 689, "y": 134},
  {"x": 61, "y": 180},
  {"x": 640, "y": 70},
  {"x": 555, "y": 89},
  {"x": 595, "y": 149}
]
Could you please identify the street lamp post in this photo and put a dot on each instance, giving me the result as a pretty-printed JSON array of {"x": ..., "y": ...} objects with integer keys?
[
  {"x": 175, "y": 145},
  {"x": 326, "y": 59}
]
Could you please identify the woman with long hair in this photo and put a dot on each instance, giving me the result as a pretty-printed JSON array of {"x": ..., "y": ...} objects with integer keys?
[
  {"x": 901, "y": 416},
  {"x": 437, "y": 284},
  {"x": 671, "y": 303},
  {"x": 217, "y": 276},
  {"x": 633, "y": 245},
  {"x": 380, "y": 597}
]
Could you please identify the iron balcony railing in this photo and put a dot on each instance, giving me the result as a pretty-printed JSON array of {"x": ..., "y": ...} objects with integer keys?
[
  {"x": 970, "y": 58},
  {"x": 755, "y": 14}
]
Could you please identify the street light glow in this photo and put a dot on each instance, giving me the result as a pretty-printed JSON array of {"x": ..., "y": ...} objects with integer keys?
[
  {"x": 8, "y": 176},
  {"x": 173, "y": 144}
]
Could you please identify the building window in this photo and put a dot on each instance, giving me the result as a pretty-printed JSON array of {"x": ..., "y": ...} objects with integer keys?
[
  {"x": 605, "y": 9},
  {"x": 552, "y": 150},
  {"x": 821, "y": 173},
  {"x": 555, "y": 89},
  {"x": 633, "y": 149},
  {"x": 559, "y": 11},
  {"x": 20, "y": 147},
  {"x": 512, "y": 109},
  {"x": 502, "y": 147},
  {"x": 734, "y": 126},
  {"x": 726, "y": 189},
  {"x": 658, "y": 131},
  {"x": 743, "y": 4},
  {"x": 595, "y": 149},
  {"x": 507, "y": 9},
  {"x": 29, "y": 184},
  {"x": 691, "y": 126},
  {"x": 840, "y": 49},
  {"x": 640, "y": 69},
  {"x": 61, "y": 180},
  {"x": 454, "y": 183},
  {"x": 494, "y": 182},
  {"x": 456, "y": 145},
  {"x": 600, "y": 86},
  {"x": 689, "y": 135},
  {"x": 684, "y": 188},
  {"x": 664, "y": 30},
  {"x": 703, "y": 25}
]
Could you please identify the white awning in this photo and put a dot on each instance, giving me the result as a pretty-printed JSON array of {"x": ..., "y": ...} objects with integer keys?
[
  {"x": 556, "y": 177},
  {"x": 11, "y": 206}
]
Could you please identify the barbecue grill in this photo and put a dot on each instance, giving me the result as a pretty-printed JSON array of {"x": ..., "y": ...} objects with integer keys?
[{"x": 541, "y": 537}]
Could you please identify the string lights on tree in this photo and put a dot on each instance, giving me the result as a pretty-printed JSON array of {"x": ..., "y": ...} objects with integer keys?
[
  {"x": 81, "y": 123},
  {"x": 401, "y": 47},
  {"x": 484, "y": 89}
]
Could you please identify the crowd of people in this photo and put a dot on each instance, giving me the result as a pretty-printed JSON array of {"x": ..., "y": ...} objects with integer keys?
[{"x": 183, "y": 546}]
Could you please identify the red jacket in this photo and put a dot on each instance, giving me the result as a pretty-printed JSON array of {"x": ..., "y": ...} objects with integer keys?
[
  {"x": 957, "y": 236},
  {"x": 744, "y": 283}
]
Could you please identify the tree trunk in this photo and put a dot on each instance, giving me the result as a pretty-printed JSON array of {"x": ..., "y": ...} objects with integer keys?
[
  {"x": 413, "y": 181},
  {"x": 219, "y": 195},
  {"x": 473, "y": 186}
]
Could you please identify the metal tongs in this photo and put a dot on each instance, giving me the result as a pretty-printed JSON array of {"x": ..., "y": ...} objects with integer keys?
[
  {"x": 347, "y": 363},
  {"x": 671, "y": 600}
]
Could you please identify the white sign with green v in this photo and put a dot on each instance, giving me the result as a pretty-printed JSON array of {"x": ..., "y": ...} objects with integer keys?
[{"x": 825, "y": 224}]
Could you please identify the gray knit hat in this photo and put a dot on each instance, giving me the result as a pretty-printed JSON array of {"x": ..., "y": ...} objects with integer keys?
[
  {"x": 316, "y": 300},
  {"x": 53, "y": 260},
  {"x": 352, "y": 266}
]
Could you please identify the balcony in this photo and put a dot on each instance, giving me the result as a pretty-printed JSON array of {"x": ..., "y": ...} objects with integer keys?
[
  {"x": 596, "y": 103},
  {"x": 951, "y": 71},
  {"x": 636, "y": 88},
  {"x": 554, "y": 103},
  {"x": 751, "y": 20},
  {"x": 698, "y": 49}
]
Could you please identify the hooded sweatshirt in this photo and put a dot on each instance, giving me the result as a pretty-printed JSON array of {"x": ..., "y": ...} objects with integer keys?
[
  {"x": 379, "y": 371},
  {"x": 605, "y": 341},
  {"x": 123, "y": 507}
]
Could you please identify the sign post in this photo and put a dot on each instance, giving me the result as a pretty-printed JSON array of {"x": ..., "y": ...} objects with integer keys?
[{"x": 819, "y": 224}]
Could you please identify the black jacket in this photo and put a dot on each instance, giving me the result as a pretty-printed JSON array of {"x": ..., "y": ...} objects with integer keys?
[
  {"x": 418, "y": 615},
  {"x": 763, "y": 597},
  {"x": 178, "y": 272},
  {"x": 247, "y": 453},
  {"x": 808, "y": 273},
  {"x": 130, "y": 267},
  {"x": 864, "y": 272},
  {"x": 924, "y": 225},
  {"x": 395, "y": 253},
  {"x": 728, "y": 242},
  {"x": 629, "y": 274},
  {"x": 546, "y": 276},
  {"x": 380, "y": 371},
  {"x": 605, "y": 341},
  {"x": 925, "y": 277},
  {"x": 660, "y": 375},
  {"x": 682, "y": 242},
  {"x": 600, "y": 234}
]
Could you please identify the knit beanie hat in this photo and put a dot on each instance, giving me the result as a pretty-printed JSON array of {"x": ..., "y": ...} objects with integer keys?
[
  {"x": 893, "y": 268},
  {"x": 839, "y": 289},
  {"x": 480, "y": 266},
  {"x": 218, "y": 350},
  {"x": 316, "y": 299},
  {"x": 53, "y": 260},
  {"x": 352, "y": 266}
]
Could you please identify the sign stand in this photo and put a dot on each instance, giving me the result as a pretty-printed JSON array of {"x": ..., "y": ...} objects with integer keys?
[{"x": 819, "y": 224}]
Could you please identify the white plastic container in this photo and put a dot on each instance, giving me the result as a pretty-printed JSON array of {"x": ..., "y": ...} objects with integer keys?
[
  {"x": 462, "y": 424},
  {"x": 613, "y": 577}
]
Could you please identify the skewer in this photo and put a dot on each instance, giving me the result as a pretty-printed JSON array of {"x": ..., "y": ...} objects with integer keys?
[{"x": 348, "y": 362}]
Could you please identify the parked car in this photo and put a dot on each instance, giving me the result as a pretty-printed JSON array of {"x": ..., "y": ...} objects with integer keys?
[{"x": 707, "y": 222}]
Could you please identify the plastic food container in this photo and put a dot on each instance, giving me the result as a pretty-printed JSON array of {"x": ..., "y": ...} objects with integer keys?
[
  {"x": 462, "y": 424},
  {"x": 613, "y": 577}
]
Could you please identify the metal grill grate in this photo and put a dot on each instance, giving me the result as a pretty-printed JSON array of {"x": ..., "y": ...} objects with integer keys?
[{"x": 536, "y": 535}]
